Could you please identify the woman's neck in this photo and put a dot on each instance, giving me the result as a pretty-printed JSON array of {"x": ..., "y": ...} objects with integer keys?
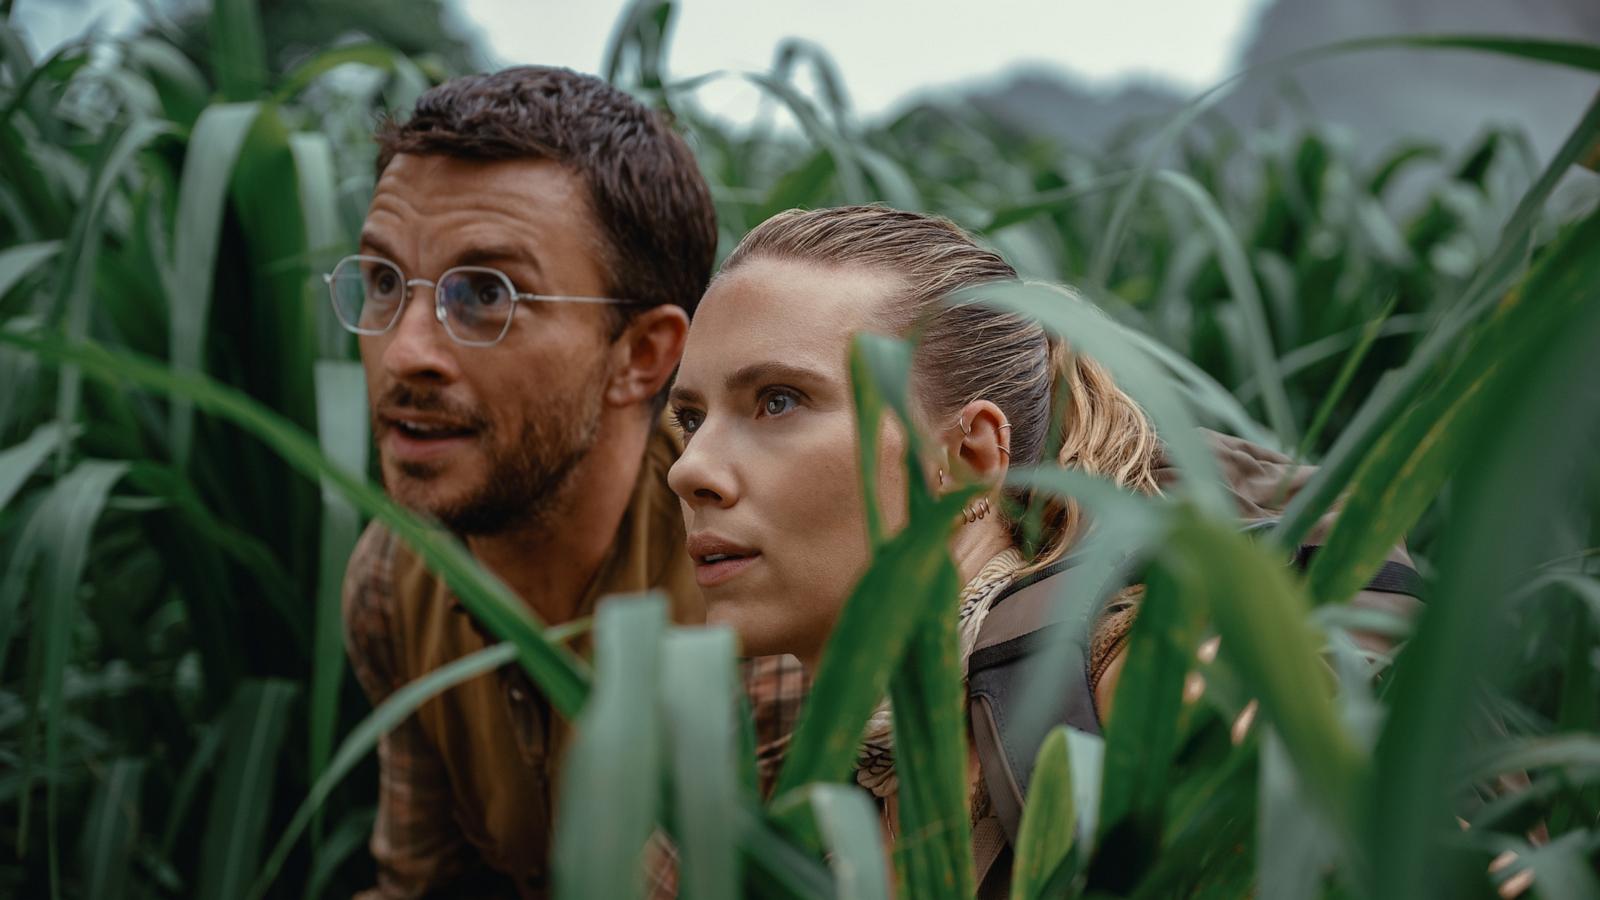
[{"x": 975, "y": 544}]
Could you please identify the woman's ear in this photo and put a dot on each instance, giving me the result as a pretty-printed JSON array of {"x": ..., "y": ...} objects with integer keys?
[
  {"x": 646, "y": 354},
  {"x": 982, "y": 442}
]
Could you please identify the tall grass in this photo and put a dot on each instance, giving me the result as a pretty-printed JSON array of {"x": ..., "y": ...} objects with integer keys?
[{"x": 181, "y": 485}]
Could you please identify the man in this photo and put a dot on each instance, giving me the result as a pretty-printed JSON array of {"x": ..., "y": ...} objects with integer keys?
[{"x": 536, "y": 243}]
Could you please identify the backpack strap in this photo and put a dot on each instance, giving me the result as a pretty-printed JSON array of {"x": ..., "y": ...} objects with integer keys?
[{"x": 1028, "y": 616}]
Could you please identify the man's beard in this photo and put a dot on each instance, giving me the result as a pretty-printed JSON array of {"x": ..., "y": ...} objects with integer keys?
[{"x": 525, "y": 481}]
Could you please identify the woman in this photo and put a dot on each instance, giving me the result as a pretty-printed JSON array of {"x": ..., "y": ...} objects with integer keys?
[{"x": 768, "y": 478}]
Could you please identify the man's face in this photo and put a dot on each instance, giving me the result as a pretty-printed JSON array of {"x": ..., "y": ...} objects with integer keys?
[{"x": 484, "y": 438}]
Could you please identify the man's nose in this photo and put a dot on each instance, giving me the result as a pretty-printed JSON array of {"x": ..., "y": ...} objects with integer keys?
[{"x": 417, "y": 346}]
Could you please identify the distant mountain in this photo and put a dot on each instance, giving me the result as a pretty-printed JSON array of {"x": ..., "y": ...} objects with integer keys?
[{"x": 1383, "y": 97}]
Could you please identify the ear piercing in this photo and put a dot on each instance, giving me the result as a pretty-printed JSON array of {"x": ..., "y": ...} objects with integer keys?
[{"x": 976, "y": 510}]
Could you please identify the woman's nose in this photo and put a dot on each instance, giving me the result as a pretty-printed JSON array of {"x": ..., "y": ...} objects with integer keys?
[{"x": 703, "y": 476}]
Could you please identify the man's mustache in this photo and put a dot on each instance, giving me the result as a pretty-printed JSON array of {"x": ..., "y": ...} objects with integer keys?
[{"x": 404, "y": 398}]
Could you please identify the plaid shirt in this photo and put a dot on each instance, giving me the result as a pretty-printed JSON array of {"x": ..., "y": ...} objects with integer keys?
[{"x": 420, "y": 838}]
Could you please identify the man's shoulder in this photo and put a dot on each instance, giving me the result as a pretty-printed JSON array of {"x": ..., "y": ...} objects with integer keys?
[{"x": 378, "y": 579}]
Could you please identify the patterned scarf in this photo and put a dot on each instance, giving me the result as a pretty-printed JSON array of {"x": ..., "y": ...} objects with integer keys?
[{"x": 875, "y": 758}]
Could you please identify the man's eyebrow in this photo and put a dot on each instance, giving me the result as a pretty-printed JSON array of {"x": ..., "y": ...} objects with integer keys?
[
  {"x": 481, "y": 255},
  {"x": 487, "y": 255},
  {"x": 757, "y": 373},
  {"x": 371, "y": 241}
]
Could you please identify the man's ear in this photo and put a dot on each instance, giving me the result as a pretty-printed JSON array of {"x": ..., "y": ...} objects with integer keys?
[{"x": 645, "y": 354}]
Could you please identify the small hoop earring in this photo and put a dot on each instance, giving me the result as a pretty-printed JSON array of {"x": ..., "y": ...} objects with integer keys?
[
  {"x": 962, "y": 423},
  {"x": 976, "y": 510}
]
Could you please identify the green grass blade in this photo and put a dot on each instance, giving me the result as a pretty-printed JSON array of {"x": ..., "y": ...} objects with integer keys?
[
  {"x": 1049, "y": 819},
  {"x": 1563, "y": 53},
  {"x": 697, "y": 700},
  {"x": 342, "y": 435},
  {"x": 928, "y": 699},
  {"x": 363, "y": 739},
  {"x": 870, "y": 637},
  {"x": 75, "y": 290},
  {"x": 239, "y": 57},
  {"x": 1398, "y": 391},
  {"x": 848, "y": 823},
  {"x": 1146, "y": 720},
  {"x": 1523, "y": 464},
  {"x": 378, "y": 56},
  {"x": 111, "y": 829},
  {"x": 350, "y": 835},
  {"x": 610, "y": 783},
  {"x": 19, "y": 462},
  {"x": 557, "y": 671},
  {"x": 1261, "y": 616},
  {"x": 71, "y": 510},
  {"x": 1241, "y": 281},
  {"x": 202, "y": 198},
  {"x": 243, "y": 797},
  {"x": 16, "y": 262},
  {"x": 1410, "y": 463},
  {"x": 1295, "y": 843}
]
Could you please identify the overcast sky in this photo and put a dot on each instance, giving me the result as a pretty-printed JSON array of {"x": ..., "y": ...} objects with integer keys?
[
  {"x": 890, "y": 49},
  {"x": 887, "y": 49}
]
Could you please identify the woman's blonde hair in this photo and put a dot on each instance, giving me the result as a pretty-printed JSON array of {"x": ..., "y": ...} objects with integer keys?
[{"x": 972, "y": 351}]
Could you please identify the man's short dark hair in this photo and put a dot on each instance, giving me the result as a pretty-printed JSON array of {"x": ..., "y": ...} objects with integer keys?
[{"x": 648, "y": 196}]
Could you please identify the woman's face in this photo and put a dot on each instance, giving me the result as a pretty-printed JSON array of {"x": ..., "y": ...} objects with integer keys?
[{"x": 768, "y": 480}]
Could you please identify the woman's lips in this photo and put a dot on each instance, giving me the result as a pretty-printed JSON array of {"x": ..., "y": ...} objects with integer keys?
[{"x": 710, "y": 574}]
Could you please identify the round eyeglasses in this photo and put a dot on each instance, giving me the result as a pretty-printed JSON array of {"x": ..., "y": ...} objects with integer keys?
[{"x": 473, "y": 303}]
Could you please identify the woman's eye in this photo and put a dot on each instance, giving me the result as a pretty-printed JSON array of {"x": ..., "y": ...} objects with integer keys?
[
  {"x": 687, "y": 420},
  {"x": 777, "y": 403}
]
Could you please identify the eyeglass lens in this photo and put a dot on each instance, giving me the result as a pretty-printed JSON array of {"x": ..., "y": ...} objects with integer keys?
[{"x": 368, "y": 295}]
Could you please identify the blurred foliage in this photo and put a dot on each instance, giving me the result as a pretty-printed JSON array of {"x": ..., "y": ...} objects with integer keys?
[{"x": 181, "y": 483}]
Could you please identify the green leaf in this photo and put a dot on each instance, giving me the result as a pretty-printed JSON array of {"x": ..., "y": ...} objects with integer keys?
[
  {"x": 1295, "y": 842},
  {"x": 870, "y": 637},
  {"x": 19, "y": 462},
  {"x": 110, "y": 830},
  {"x": 16, "y": 262},
  {"x": 1409, "y": 463},
  {"x": 1573, "y": 752},
  {"x": 928, "y": 701},
  {"x": 1261, "y": 616},
  {"x": 74, "y": 291},
  {"x": 697, "y": 696},
  {"x": 243, "y": 798},
  {"x": 1146, "y": 719},
  {"x": 342, "y": 435},
  {"x": 69, "y": 514},
  {"x": 1246, "y": 297},
  {"x": 349, "y": 836},
  {"x": 1049, "y": 818},
  {"x": 1523, "y": 464},
  {"x": 202, "y": 198},
  {"x": 610, "y": 781},
  {"x": 378, "y": 56},
  {"x": 363, "y": 739},
  {"x": 1398, "y": 391},
  {"x": 557, "y": 671},
  {"x": 848, "y": 823},
  {"x": 239, "y": 53}
]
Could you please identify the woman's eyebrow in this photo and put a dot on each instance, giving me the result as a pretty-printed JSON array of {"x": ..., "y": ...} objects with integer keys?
[{"x": 758, "y": 373}]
